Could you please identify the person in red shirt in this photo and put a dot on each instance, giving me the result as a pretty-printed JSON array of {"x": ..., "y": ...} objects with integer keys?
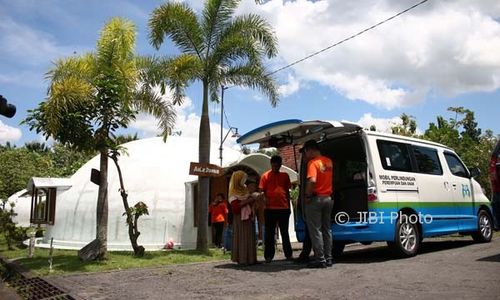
[
  {"x": 318, "y": 203},
  {"x": 276, "y": 186},
  {"x": 218, "y": 212}
]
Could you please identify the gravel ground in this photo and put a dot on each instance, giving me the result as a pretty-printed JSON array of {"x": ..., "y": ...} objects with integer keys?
[{"x": 445, "y": 268}]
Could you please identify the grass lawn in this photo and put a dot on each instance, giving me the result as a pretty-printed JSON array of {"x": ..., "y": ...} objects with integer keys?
[{"x": 66, "y": 261}]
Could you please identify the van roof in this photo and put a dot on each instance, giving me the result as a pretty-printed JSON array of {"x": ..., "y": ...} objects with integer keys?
[
  {"x": 406, "y": 138},
  {"x": 295, "y": 131}
]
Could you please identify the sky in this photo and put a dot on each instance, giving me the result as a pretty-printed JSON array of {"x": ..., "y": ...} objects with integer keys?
[{"x": 441, "y": 54}]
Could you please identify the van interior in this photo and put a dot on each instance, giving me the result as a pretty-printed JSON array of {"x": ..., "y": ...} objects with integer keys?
[{"x": 350, "y": 174}]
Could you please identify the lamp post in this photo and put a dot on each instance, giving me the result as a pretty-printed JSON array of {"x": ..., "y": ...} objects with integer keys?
[{"x": 235, "y": 132}]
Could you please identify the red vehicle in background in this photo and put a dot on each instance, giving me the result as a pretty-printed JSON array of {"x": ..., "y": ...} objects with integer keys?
[{"x": 495, "y": 184}]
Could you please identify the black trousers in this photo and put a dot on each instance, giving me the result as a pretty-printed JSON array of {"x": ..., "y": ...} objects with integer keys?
[
  {"x": 219, "y": 228},
  {"x": 281, "y": 218}
]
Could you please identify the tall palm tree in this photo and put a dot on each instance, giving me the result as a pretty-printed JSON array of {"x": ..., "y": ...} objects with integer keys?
[
  {"x": 218, "y": 49},
  {"x": 90, "y": 97}
]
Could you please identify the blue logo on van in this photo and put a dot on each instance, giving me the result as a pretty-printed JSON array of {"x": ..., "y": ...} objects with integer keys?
[{"x": 465, "y": 190}]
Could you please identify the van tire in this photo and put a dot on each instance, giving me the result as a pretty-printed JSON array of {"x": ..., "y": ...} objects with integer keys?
[
  {"x": 484, "y": 232},
  {"x": 407, "y": 238},
  {"x": 337, "y": 248}
]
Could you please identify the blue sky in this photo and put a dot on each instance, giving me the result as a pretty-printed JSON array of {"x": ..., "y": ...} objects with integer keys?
[{"x": 443, "y": 53}]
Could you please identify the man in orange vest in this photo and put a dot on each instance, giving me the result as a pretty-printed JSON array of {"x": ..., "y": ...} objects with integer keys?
[{"x": 318, "y": 203}]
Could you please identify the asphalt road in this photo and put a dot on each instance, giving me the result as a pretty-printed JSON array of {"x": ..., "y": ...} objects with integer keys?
[{"x": 446, "y": 268}]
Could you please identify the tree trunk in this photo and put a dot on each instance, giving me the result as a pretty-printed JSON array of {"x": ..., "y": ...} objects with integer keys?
[
  {"x": 97, "y": 249},
  {"x": 203, "y": 182},
  {"x": 133, "y": 232}
]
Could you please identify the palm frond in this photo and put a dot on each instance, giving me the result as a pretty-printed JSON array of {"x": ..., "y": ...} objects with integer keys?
[
  {"x": 116, "y": 43},
  {"x": 75, "y": 67},
  {"x": 151, "y": 102},
  {"x": 214, "y": 89},
  {"x": 232, "y": 50},
  {"x": 178, "y": 22},
  {"x": 216, "y": 16},
  {"x": 256, "y": 29},
  {"x": 254, "y": 77},
  {"x": 179, "y": 72}
]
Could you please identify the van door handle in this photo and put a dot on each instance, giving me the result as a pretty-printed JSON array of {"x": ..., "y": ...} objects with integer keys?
[{"x": 454, "y": 185}]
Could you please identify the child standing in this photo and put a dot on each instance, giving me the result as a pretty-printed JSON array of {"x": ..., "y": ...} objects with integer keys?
[{"x": 218, "y": 212}]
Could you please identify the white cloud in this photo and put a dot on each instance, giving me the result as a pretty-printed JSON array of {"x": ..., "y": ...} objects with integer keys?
[
  {"x": 291, "y": 87},
  {"x": 381, "y": 124},
  {"x": 8, "y": 133},
  {"x": 27, "y": 45},
  {"x": 23, "y": 78},
  {"x": 187, "y": 124},
  {"x": 447, "y": 47}
]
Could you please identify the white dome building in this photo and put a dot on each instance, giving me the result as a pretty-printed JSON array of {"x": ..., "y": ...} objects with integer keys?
[
  {"x": 22, "y": 207},
  {"x": 156, "y": 173}
]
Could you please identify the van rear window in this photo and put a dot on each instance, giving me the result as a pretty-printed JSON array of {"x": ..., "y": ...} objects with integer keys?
[{"x": 394, "y": 156}]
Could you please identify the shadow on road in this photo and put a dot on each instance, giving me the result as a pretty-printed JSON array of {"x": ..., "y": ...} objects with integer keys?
[
  {"x": 360, "y": 255},
  {"x": 274, "y": 266},
  {"x": 493, "y": 258},
  {"x": 380, "y": 253}
]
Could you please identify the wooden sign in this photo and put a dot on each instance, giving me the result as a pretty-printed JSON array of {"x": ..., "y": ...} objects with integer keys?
[
  {"x": 95, "y": 176},
  {"x": 205, "y": 170}
]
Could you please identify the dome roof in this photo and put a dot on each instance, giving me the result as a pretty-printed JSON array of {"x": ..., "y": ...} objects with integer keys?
[{"x": 154, "y": 172}]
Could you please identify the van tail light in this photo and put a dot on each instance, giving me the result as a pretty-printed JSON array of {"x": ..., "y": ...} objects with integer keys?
[
  {"x": 372, "y": 194},
  {"x": 495, "y": 183}
]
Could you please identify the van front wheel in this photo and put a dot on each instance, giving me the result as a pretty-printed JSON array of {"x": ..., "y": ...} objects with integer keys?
[
  {"x": 484, "y": 231},
  {"x": 407, "y": 238}
]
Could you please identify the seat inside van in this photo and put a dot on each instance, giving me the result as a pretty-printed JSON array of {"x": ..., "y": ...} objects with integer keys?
[{"x": 350, "y": 174}]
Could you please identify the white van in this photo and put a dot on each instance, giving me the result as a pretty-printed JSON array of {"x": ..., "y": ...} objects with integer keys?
[{"x": 388, "y": 187}]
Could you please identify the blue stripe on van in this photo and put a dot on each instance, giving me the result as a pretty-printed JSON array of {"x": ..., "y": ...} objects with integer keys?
[{"x": 436, "y": 218}]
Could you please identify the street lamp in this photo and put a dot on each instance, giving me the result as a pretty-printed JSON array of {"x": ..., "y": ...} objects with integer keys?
[
  {"x": 235, "y": 134},
  {"x": 234, "y": 130}
]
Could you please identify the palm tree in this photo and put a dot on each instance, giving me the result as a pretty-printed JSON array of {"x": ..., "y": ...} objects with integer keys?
[
  {"x": 90, "y": 97},
  {"x": 218, "y": 49}
]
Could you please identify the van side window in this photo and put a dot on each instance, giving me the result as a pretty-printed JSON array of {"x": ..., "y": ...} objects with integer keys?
[
  {"x": 455, "y": 165},
  {"x": 427, "y": 160},
  {"x": 394, "y": 156}
]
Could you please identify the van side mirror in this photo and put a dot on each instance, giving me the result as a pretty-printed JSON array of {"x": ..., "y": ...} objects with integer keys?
[{"x": 474, "y": 172}]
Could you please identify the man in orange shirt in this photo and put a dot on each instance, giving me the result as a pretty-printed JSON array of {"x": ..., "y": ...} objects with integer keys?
[
  {"x": 276, "y": 186},
  {"x": 319, "y": 203}
]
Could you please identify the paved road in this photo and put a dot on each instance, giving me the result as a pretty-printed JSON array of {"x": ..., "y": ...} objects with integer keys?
[{"x": 445, "y": 269}]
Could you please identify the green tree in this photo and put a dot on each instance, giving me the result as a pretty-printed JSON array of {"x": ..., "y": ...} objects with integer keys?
[
  {"x": 7, "y": 146},
  {"x": 462, "y": 134},
  {"x": 37, "y": 147},
  {"x": 18, "y": 166},
  {"x": 122, "y": 139},
  {"x": 90, "y": 97},
  {"x": 408, "y": 126},
  {"x": 67, "y": 160},
  {"x": 218, "y": 49}
]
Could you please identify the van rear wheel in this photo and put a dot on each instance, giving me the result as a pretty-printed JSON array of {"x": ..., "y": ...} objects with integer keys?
[
  {"x": 407, "y": 238},
  {"x": 484, "y": 231}
]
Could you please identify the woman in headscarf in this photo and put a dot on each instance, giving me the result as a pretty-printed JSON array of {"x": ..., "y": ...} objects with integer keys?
[{"x": 244, "y": 249}]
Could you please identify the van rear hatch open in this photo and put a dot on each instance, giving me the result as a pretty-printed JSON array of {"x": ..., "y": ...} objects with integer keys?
[
  {"x": 339, "y": 140},
  {"x": 294, "y": 131}
]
